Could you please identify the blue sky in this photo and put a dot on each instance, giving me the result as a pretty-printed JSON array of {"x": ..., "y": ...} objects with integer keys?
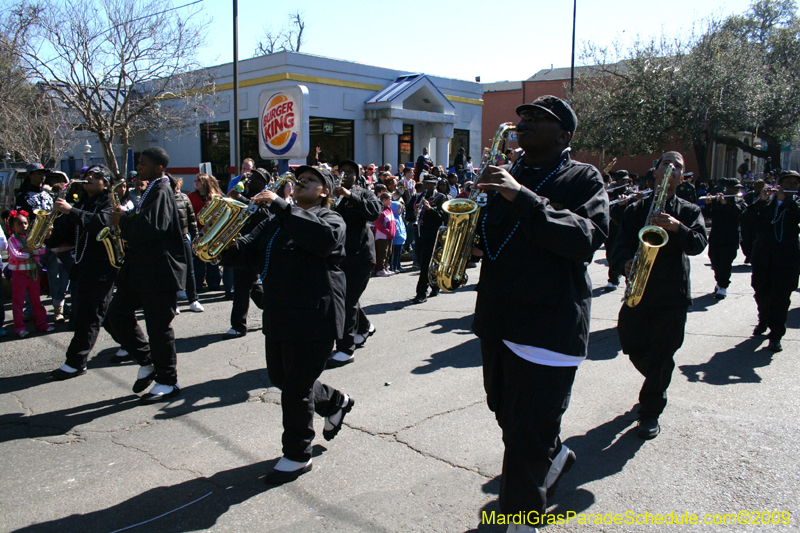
[{"x": 509, "y": 41}]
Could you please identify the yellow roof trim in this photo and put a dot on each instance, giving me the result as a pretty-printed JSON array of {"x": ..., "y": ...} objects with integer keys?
[{"x": 291, "y": 76}]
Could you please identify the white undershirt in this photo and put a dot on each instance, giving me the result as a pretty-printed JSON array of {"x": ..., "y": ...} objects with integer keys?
[{"x": 543, "y": 357}]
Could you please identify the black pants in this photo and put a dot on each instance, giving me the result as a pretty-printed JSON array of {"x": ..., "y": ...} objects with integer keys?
[
  {"x": 424, "y": 253},
  {"x": 189, "y": 282},
  {"x": 159, "y": 310},
  {"x": 89, "y": 306},
  {"x": 773, "y": 282},
  {"x": 294, "y": 366},
  {"x": 243, "y": 281},
  {"x": 614, "y": 274},
  {"x": 528, "y": 401},
  {"x": 748, "y": 237},
  {"x": 651, "y": 336},
  {"x": 355, "y": 320},
  {"x": 722, "y": 256}
]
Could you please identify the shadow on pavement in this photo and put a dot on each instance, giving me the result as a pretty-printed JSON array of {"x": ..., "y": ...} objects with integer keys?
[
  {"x": 604, "y": 344},
  {"x": 465, "y": 355},
  {"x": 193, "y": 505},
  {"x": 193, "y": 398},
  {"x": 461, "y": 325},
  {"x": 736, "y": 365}
]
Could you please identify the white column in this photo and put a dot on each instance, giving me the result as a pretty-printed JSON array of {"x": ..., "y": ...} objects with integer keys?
[
  {"x": 390, "y": 128},
  {"x": 442, "y": 152},
  {"x": 373, "y": 144}
]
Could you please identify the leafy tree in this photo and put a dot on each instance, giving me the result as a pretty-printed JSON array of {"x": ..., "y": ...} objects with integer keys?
[{"x": 738, "y": 74}]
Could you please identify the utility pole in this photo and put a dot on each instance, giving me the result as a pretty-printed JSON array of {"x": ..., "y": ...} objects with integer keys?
[{"x": 235, "y": 128}]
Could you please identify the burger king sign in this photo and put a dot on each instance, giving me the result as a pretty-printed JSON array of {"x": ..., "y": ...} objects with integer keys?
[{"x": 284, "y": 123}]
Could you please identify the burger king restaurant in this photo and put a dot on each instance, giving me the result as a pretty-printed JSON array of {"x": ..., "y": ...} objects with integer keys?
[{"x": 350, "y": 111}]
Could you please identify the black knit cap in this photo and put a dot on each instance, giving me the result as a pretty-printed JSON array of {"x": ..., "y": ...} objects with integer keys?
[{"x": 101, "y": 170}]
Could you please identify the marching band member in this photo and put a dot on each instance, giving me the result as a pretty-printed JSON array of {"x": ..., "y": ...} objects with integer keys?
[
  {"x": 776, "y": 255},
  {"x": 723, "y": 243},
  {"x": 150, "y": 278},
  {"x": 245, "y": 277},
  {"x": 92, "y": 276},
  {"x": 359, "y": 208},
  {"x": 431, "y": 216},
  {"x": 534, "y": 296},
  {"x": 652, "y": 332},
  {"x": 298, "y": 252}
]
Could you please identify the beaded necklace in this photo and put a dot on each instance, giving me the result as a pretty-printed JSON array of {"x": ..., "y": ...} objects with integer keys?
[
  {"x": 269, "y": 251},
  {"x": 78, "y": 259},
  {"x": 147, "y": 191},
  {"x": 494, "y": 256},
  {"x": 778, "y": 218}
]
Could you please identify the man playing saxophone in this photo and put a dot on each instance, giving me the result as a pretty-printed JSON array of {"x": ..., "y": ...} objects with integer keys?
[
  {"x": 652, "y": 331},
  {"x": 92, "y": 277},
  {"x": 541, "y": 225}
]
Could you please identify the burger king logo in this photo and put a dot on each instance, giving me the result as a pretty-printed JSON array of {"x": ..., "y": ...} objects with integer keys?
[{"x": 278, "y": 124}]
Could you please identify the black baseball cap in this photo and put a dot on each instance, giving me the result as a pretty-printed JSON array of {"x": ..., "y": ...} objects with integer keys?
[
  {"x": 322, "y": 173},
  {"x": 557, "y": 107},
  {"x": 730, "y": 182},
  {"x": 36, "y": 167},
  {"x": 350, "y": 163}
]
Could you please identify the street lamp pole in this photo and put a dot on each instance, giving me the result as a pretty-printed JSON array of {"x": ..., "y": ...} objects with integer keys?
[
  {"x": 235, "y": 128},
  {"x": 572, "y": 68}
]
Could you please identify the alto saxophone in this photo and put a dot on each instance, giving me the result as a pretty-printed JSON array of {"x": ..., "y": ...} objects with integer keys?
[
  {"x": 651, "y": 238},
  {"x": 45, "y": 218},
  {"x": 225, "y": 221},
  {"x": 111, "y": 237},
  {"x": 454, "y": 242}
]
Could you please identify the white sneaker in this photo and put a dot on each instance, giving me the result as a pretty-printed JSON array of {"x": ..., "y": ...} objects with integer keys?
[
  {"x": 177, "y": 310},
  {"x": 196, "y": 307},
  {"x": 122, "y": 353},
  {"x": 182, "y": 295},
  {"x": 611, "y": 287},
  {"x": 383, "y": 273},
  {"x": 721, "y": 293}
]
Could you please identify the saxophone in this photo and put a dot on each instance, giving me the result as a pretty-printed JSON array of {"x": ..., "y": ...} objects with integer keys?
[
  {"x": 111, "y": 237},
  {"x": 45, "y": 218},
  {"x": 454, "y": 242},
  {"x": 651, "y": 238},
  {"x": 224, "y": 221}
]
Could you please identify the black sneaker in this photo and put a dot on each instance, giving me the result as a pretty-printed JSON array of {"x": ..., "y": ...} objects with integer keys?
[
  {"x": 419, "y": 300},
  {"x": 329, "y": 434},
  {"x": 760, "y": 330},
  {"x": 571, "y": 457},
  {"x": 775, "y": 346},
  {"x": 648, "y": 428}
]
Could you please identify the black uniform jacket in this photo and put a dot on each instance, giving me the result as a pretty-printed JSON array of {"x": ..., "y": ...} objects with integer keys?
[
  {"x": 304, "y": 286},
  {"x": 91, "y": 215},
  {"x": 432, "y": 218},
  {"x": 773, "y": 225},
  {"x": 537, "y": 291},
  {"x": 725, "y": 221},
  {"x": 668, "y": 284},
  {"x": 155, "y": 260},
  {"x": 358, "y": 212}
]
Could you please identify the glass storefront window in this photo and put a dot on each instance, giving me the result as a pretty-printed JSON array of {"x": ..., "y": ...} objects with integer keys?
[
  {"x": 335, "y": 138},
  {"x": 215, "y": 147}
]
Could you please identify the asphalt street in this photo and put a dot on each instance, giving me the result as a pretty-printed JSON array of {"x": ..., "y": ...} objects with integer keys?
[{"x": 420, "y": 451}]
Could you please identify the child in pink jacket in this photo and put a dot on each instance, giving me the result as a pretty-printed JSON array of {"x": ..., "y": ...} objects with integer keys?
[{"x": 25, "y": 268}]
